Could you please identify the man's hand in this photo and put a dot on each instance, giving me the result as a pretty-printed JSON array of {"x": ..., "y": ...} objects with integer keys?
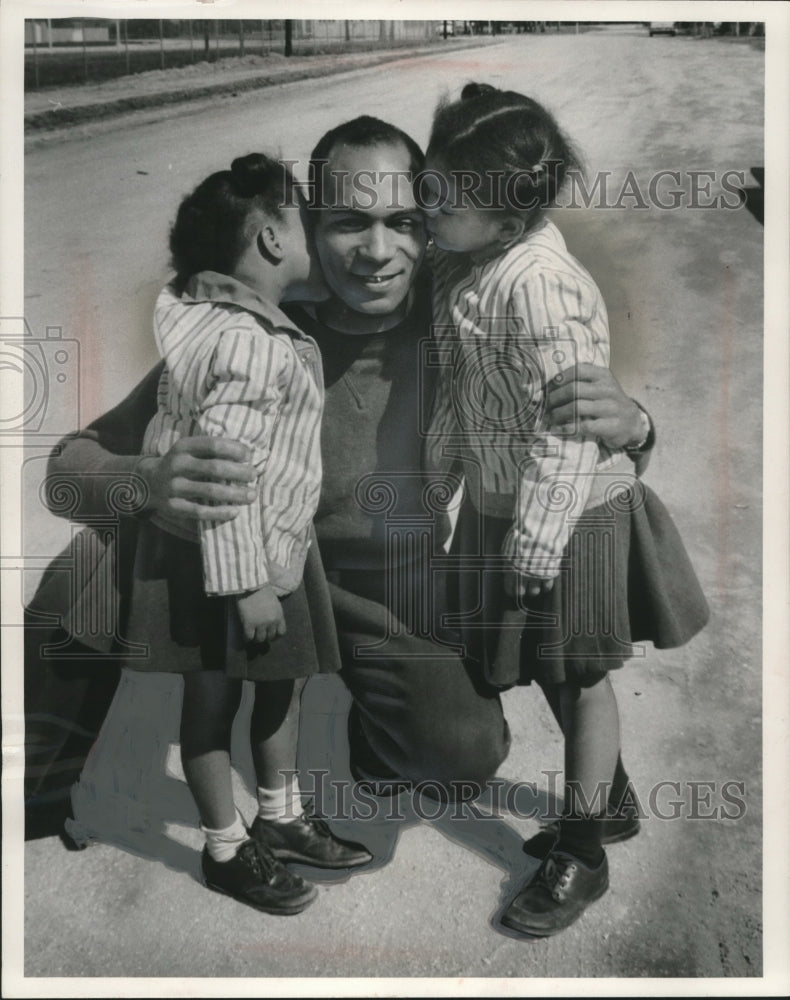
[
  {"x": 593, "y": 398},
  {"x": 200, "y": 478},
  {"x": 519, "y": 585},
  {"x": 261, "y": 615}
]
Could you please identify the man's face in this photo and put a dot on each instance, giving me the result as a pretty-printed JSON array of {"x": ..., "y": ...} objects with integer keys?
[{"x": 370, "y": 236}]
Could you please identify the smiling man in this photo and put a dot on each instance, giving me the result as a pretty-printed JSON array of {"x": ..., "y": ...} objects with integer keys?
[
  {"x": 369, "y": 232},
  {"x": 375, "y": 522},
  {"x": 419, "y": 713}
]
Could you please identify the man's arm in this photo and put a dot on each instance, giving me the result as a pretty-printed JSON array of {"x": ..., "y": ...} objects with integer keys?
[
  {"x": 199, "y": 478},
  {"x": 591, "y": 401}
]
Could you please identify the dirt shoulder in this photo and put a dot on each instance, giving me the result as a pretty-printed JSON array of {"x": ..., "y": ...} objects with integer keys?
[{"x": 54, "y": 112}]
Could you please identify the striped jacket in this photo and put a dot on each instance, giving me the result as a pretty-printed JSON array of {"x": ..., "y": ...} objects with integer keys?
[
  {"x": 507, "y": 327},
  {"x": 236, "y": 367}
]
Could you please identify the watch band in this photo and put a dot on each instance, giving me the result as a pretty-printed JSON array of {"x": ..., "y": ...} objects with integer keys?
[{"x": 648, "y": 439}]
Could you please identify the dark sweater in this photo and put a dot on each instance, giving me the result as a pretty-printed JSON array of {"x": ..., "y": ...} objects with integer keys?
[{"x": 377, "y": 391}]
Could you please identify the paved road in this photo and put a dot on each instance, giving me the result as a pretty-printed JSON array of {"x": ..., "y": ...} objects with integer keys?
[{"x": 684, "y": 292}]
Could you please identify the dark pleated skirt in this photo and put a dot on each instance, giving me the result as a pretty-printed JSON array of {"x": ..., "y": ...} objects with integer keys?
[
  {"x": 626, "y": 579},
  {"x": 184, "y": 630}
]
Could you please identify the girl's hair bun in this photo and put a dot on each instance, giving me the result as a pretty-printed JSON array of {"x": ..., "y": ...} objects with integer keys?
[
  {"x": 472, "y": 90},
  {"x": 211, "y": 231},
  {"x": 252, "y": 174}
]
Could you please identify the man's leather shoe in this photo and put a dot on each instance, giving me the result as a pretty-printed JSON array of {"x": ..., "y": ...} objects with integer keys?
[
  {"x": 309, "y": 841},
  {"x": 556, "y": 895}
]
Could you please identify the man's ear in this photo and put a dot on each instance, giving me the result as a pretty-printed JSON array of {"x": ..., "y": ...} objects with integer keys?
[
  {"x": 269, "y": 245},
  {"x": 511, "y": 229}
]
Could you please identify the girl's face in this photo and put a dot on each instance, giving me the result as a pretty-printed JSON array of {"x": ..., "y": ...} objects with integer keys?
[
  {"x": 306, "y": 280},
  {"x": 453, "y": 219}
]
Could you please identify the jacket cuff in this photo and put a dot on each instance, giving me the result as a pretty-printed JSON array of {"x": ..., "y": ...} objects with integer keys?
[{"x": 542, "y": 565}]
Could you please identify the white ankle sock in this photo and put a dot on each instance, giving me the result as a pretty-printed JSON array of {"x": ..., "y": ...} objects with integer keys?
[
  {"x": 280, "y": 805},
  {"x": 223, "y": 844}
]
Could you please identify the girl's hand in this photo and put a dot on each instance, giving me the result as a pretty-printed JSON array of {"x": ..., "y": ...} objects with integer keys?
[
  {"x": 590, "y": 401},
  {"x": 519, "y": 585},
  {"x": 200, "y": 479},
  {"x": 261, "y": 615}
]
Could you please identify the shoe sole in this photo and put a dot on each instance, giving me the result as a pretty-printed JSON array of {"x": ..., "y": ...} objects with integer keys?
[
  {"x": 627, "y": 834},
  {"x": 279, "y": 911},
  {"x": 542, "y": 841},
  {"x": 544, "y": 932},
  {"x": 302, "y": 859}
]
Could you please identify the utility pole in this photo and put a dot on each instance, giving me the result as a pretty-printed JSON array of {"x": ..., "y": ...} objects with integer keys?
[
  {"x": 84, "y": 52},
  {"x": 34, "y": 25}
]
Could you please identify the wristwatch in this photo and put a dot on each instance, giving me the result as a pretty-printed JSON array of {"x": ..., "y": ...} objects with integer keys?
[{"x": 648, "y": 435}]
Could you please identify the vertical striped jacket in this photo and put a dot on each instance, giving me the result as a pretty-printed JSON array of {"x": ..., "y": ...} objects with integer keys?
[
  {"x": 506, "y": 328},
  {"x": 236, "y": 367}
]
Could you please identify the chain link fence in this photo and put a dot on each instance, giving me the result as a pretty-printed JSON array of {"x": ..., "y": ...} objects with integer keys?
[{"x": 61, "y": 51}]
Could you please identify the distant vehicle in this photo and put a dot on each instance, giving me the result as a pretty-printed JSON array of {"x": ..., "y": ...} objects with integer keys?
[{"x": 662, "y": 28}]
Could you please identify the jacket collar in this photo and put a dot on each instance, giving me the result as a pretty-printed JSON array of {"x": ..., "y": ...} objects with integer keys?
[{"x": 210, "y": 286}]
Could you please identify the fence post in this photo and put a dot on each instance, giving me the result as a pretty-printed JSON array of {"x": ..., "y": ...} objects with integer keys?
[
  {"x": 191, "y": 42},
  {"x": 288, "y": 37},
  {"x": 34, "y": 25},
  {"x": 84, "y": 52},
  {"x": 216, "y": 40},
  {"x": 241, "y": 37},
  {"x": 161, "y": 43}
]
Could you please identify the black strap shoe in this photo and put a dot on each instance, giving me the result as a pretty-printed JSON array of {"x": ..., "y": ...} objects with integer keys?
[
  {"x": 309, "y": 841},
  {"x": 556, "y": 895},
  {"x": 254, "y": 876}
]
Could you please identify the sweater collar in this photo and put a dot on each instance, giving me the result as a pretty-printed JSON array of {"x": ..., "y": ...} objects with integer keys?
[{"x": 210, "y": 286}]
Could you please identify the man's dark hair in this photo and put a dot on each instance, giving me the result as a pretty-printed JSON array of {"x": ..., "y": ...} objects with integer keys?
[{"x": 363, "y": 132}]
